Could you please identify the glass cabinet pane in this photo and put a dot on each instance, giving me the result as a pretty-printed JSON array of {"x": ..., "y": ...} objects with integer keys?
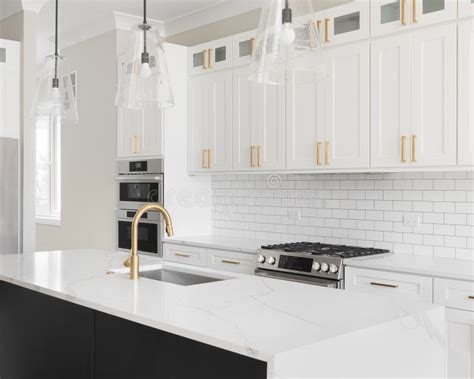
[
  {"x": 245, "y": 48},
  {"x": 390, "y": 12},
  {"x": 347, "y": 23},
  {"x": 198, "y": 59},
  {"x": 221, "y": 53},
  {"x": 430, "y": 6}
]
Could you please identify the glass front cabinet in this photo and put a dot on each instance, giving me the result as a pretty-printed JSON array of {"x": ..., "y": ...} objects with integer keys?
[
  {"x": 243, "y": 48},
  {"x": 210, "y": 57},
  {"x": 466, "y": 8}
]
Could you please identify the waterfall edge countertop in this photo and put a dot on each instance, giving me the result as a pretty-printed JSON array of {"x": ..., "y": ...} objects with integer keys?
[{"x": 291, "y": 326}]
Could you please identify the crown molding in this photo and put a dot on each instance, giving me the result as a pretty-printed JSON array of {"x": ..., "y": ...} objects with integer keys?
[{"x": 33, "y": 5}]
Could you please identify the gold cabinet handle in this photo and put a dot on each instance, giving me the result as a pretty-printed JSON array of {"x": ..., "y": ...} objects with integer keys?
[
  {"x": 182, "y": 255},
  {"x": 252, "y": 148},
  {"x": 258, "y": 156},
  {"x": 404, "y": 8},
  {"x": 413, "y": 149},
  {"x": 318, "y": 153},
  {"x": 326, "y": 153},
  {"x": 383, "y": 285},
  {"x": 209, "y": 158},
  {"x": 209, "y": 58},
  {"x": 318, "y": 25},
  {"x": 252, "y": 46},
  {"x": 204, "y": 63},
  {"x": 415, "y": 20},
  {"x": 203, "y": 158},
  {"x": 230, "y": 262},
  {"x": 326, "y": 30},
  {"x": 404, "y": 138},
  {"x": 135, "y": 144}
]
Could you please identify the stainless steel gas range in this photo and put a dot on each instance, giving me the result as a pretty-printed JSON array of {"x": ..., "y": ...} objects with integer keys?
[{"x": 307, "y": 262}]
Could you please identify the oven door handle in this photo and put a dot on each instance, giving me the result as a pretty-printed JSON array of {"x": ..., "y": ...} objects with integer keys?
[
  {"x": 139, "y": 178},
  {"x": 321, "y": 282}
]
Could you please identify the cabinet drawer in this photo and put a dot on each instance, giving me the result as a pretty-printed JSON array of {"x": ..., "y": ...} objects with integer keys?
[
  {"x": 454, "y": 294},
  {"x": 228, "y": 261},
  {"x": 389, "y": 283},
  {"x": 184, "y": 254}
]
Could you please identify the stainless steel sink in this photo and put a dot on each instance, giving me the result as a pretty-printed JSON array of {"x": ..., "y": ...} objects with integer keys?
[{"x": 178, "y": 277}]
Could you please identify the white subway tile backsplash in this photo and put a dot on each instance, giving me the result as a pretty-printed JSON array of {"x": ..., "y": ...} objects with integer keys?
[{"x": 355, "y": 209}]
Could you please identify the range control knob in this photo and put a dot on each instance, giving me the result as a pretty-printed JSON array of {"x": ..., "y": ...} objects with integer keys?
[
  {"x": 271, "y": 260},
  {"x": 261, "y": 259},
  {"x": 333, "y": 268},
  {"x": 324, "y": 267},
  {"x": 316, "y": 266}
]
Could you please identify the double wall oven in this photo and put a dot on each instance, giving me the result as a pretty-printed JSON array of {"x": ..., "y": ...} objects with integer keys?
[{"x": 140, "y": 182}]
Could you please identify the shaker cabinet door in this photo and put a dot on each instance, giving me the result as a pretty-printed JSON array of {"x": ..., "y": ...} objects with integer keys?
[
  {"x": 429, "y": 12},
  {"x": 390, "y": 101},
  {"x": 434, "y": 91},
  {"x": 389, "y": 16},
  {"x": 460, "y": 343}
]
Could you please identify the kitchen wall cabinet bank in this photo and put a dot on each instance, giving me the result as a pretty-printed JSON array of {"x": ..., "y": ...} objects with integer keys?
[
  {"x": 9, "y": 89},
  {"x": 139, "y": 132}
]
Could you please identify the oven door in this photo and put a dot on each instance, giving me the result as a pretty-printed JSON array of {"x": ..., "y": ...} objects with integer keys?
[
  {"x": 135, "y": 192},
  {"x": 321, "y": 282},
  {"x": 149, "y": 234}
]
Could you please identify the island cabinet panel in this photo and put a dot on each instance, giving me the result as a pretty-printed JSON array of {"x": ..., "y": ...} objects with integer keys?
[{"x": 43, "y": 337}]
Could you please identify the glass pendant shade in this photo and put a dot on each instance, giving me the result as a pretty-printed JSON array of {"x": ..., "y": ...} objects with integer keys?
[
  {"x": 287, "y": 45},
  {"x": 144, "y": 78},
  {"x": 54, "y": 95}
]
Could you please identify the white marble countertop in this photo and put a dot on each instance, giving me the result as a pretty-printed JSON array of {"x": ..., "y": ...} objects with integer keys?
[
  {"x": 262, "y": 318},
  {"x": 242, "y": 245},
  {"x": 412, "y": 264}
]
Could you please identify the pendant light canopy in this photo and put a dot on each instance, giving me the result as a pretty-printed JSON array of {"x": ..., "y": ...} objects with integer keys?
[
  {"x": 54, "y": 95},
  {"x": 144, "y": 77},
  {"x": 288, "y": 44}
]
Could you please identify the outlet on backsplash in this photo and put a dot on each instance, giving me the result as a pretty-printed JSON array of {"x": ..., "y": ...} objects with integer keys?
[
  {"x": 294, "y": 214},
  {"x": 411, "y": 220}
]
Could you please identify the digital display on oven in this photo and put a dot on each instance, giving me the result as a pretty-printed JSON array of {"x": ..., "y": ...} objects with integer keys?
[
  {"x": 140, "y": 166},
  {"x": 295, "y": 263}
]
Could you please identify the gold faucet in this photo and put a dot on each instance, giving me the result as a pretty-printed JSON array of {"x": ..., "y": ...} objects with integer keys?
[{"x": 132, "y": 261}]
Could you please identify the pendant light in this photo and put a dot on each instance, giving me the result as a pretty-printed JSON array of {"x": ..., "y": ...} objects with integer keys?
[
  {"x": 144, "y": 78},
  {"x": 54, "y": 95},
  {"x": 288, "y": 45}
]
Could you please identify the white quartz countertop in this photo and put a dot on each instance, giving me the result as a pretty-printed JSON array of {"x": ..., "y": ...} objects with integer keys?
[
  {"x": 428, "y": 266},
  {"x": 258, "y": 317},
  {"x": 242, "y": 245}
]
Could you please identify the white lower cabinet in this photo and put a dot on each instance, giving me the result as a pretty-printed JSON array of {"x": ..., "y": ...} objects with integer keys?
[
  {"x": 460, "y": 343},
  {"x": 184, "y": 254}
]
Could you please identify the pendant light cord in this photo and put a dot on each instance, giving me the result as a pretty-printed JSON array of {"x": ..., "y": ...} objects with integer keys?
[
  {"x": 145, "y": 54},
  {"x": 56, "y": 56}
]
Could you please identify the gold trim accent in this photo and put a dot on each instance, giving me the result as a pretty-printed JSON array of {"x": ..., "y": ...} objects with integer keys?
[
  {"x": 383, "y": 285},
  {"x": 209, "y": 58},
  {"x": 203, "y": 163},
  {"x": 414, "y": 12},
  {"x": 258, "y": 156},
  {"x": 251, "y": 156},
  {"x": 182, "y": 255},
  {"x": 208, "y": 158},
  {"x": 326, "y": 153},
  {"x": 204, "y": 66},
  {"x": 326, "y": 30},
  {"x": 318, "y": 25},
  {"x": 230, "y": 262},
  {"x": 403, "y": 18},
  {"x": 413, "y": 148},
  {"x": 318, "y": 153},
  {"x": 403, "y": 159},
  {"x": 252, "y": 46},
  {"x": 132, "y": 260}
]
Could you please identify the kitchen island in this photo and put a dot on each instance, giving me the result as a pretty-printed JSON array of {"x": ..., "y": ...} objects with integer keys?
[{"x": 81, "y": 305}]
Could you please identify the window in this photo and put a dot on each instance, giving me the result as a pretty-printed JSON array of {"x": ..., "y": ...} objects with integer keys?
[{"x": 48, "y": 171}]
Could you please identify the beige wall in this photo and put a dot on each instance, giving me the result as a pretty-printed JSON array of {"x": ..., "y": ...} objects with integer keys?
[
  {"x": 88, "y": 153},
  {"x": 22, "y": 27}
]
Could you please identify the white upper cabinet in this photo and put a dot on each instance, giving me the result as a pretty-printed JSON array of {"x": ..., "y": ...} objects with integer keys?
[
  {"x": 434, "y": 91},
  {"x": 466, "y": 93},
  {"x": 211, "y": 56},
  {"x": 346, "y": 23},
  {"x": 259, "y": 124},
  {"x": 390, "y": 101},
  {"x": 347, "y": 125},
  {"x": 466, "y": 8},
  {"x": 389, "y": 16},
  {"x": 210, "y": 122},
  {"x": 9, "y": 89},
  {"x": 243, "y": 46}
]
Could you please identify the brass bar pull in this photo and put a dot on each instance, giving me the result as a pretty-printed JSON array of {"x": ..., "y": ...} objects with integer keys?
[
  {"x": 230, "y": 262},
  {"x": 182, "y": 255},
  {"x": 258, "y": 156},
  {"x": 252, "y": 148},
  {"x": 415, "y": 20},
  {"x": 318, "y": 153},
  {"x": 470, "y": 297},
  {"x": 204, "y": 63},
  {"x": 252, "y": 46},
  {"x": 138, "y": 144},
  {"x": 404, "y": 11},
  {"x": 326, "y": 30},
  {"x": 134, "y": 145},
  {"x": 203, "y": 162},
  {"x": 209, "y": 58},
  {"x": 404, "y": 138},
  {"x": 209, "y": 158},
  {"x": 318, "y": 25},
  {"x": 383, "y": 285},
  {"x": 413, "y": 149},
  {"x": 326, "y": 153}
]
